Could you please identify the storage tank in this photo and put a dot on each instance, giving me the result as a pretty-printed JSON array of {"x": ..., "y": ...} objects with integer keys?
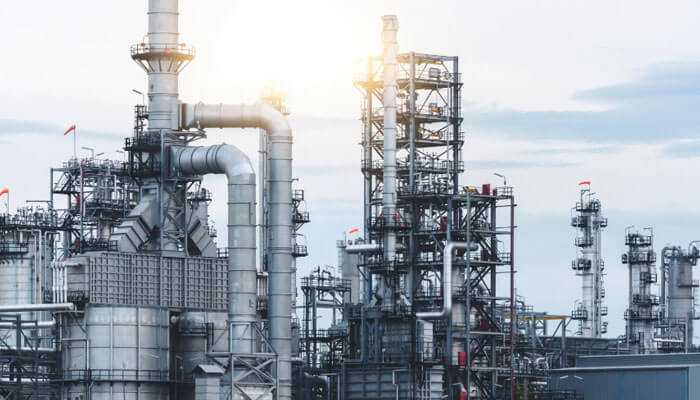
[{"x": 128, "y": 353}]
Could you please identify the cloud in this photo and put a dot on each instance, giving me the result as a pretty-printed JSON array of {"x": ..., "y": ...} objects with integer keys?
[
  {"x": 552, "y": 151},
  {"x": 667, "y": 80},
  {"x": 14, "y": 127},
  {"x": 682, "y": 149},
  {"x": 660, "y": 105},
  {"x": 522, "y": 164}
]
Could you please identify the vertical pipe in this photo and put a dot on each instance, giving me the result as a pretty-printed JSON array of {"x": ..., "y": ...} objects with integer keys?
[
  {"x": 513, "y": 323},
  {"x": 280, "y": 212},
  {"x": 280, "y": 310},
  {"x": 412, "y": 273},
  {"x": 241, "y": 274},
  {"x": 367, "y": 148},
  {"x": 390, "y": 27}
]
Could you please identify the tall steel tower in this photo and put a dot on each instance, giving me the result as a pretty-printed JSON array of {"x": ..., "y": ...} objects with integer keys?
[
  {"x": 431, "y": 317},
  {"x": 589, "y": 222},
  {"x": 642, "y": 313}
]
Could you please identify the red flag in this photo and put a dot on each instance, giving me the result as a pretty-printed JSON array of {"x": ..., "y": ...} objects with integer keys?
[
  {"x": 69, "y": 130},
  {"x": 584, "y": 183},
  {"x": 4, "y": 190},
  {"x": 354, "y": 230}
]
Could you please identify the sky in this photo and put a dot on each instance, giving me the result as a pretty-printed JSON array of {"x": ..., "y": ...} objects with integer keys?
[{"x": 554, "y": 92}]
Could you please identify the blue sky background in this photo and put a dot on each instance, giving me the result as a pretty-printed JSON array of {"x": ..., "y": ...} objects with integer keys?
[{"x": 554, "y": 92}]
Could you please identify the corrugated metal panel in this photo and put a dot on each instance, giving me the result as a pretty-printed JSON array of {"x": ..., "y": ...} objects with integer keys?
[
  {"x": 625, "y": 384},
  {"x": 693, "y": 383},
  {"x": 363, "y": 383},
  {"x": 639, "y": 360}
]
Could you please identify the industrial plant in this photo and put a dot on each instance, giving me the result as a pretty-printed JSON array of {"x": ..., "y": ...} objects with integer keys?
[{"x": 115, "y": 286}]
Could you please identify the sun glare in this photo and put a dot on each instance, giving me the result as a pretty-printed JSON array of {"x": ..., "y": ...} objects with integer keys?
[{"x": 293, "y": 49}]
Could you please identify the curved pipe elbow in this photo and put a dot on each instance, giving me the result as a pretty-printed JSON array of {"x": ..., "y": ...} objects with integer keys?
[
  {"x": 218, "y": 159},
  {"x": 259, "y": 115},
  {"x": 448, "y": 252}
]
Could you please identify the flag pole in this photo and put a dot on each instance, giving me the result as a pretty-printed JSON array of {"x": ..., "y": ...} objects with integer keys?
[{"x": 75, "y": 141}]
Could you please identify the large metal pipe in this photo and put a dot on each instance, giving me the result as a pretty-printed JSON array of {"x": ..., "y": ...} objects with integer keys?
[
  {"x": 242, "y": 284},
  {"x": 8, "y": 308},
  {"x": 279, "y": 135},
  {"x": 389, "y": 73},
  {"x": 447, "y": 271},
  {"x": 29, "y": 324}
]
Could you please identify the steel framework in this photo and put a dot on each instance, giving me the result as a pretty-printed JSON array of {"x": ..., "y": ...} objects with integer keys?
[
  {"x": 28, "y": 369},
  {"x": 323, "y": 348},
  {"x": 432, "y": 209},
  {"x": 98, "y": 195}
]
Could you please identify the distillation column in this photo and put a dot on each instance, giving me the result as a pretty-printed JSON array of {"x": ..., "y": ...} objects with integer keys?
[
  {"x": 589, "y": 265},
  {"x": 391, "y": 48},
  {"x": 642, "y": 313},
  {"x": 678, "y": 296}
]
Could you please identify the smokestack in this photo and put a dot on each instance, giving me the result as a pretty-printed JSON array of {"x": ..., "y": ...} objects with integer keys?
[{"x": 162, "y": 43}]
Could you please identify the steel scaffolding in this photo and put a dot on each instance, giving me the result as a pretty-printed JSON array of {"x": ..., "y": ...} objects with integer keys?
[
  {"x": 323, "y": 349},
  {"x": 29, "y": 360},
  {"x": 98, "y": 195},
  {"x": 432, "y": 210}
]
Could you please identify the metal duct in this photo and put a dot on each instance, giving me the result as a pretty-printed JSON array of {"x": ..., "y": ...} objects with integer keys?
[
  {"x": 242, "y": 284},
  {"x": 391, "y": 47},
  {"x": 279, "y": 135}
]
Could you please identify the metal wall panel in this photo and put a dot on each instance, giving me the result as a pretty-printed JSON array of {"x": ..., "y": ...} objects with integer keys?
[
  {"x": 363, "y": 382},
  {"x": 639, "y": 360},
  {"x": 651, "y": 383}
]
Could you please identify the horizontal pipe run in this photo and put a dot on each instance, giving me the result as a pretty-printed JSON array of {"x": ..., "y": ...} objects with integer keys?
[
  {"x": 37, "y": 307},
  {"x": 29, "y": 324}
]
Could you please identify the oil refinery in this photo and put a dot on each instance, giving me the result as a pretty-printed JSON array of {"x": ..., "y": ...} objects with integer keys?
[{"x": 115, "y": 287}]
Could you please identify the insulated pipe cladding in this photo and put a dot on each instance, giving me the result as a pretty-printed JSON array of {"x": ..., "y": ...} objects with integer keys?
[
  {"x": 279, "y": 133},
  {"x": 242, "y": 285}
]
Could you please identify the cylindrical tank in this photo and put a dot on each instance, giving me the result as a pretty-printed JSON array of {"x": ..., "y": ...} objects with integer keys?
[
  {"x": 128, "y": 353},
  {"x": 23, "y": 275},
  {"x": 680, "y": 292}
]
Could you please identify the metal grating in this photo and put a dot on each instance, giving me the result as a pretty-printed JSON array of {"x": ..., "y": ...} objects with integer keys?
[{"x": 149, "y": 280}]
